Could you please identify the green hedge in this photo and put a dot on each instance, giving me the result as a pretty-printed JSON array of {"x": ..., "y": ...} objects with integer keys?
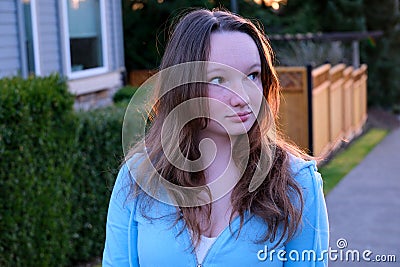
[
  {"x": 100, "y": 153},
  {"x": 56, "y": 171},
  {"x": 124, "y": 94}
]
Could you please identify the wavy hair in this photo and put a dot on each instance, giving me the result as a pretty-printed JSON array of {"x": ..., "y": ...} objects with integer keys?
[{"x": 278, "y": 199}]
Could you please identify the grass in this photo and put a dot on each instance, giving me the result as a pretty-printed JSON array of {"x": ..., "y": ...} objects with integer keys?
[{"x": 344, "y": 162}]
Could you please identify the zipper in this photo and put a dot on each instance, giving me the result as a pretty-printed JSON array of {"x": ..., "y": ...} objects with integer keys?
[{"x": 197, "y": 260}]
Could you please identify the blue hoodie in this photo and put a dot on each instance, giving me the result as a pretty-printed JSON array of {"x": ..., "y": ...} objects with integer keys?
[{"x": 132, "y": 240}]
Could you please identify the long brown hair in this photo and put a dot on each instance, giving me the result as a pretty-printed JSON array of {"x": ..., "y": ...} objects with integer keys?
[{"x": 278, "y": 200}]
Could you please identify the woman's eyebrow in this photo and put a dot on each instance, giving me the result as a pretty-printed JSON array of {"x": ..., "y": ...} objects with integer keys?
[
  {"x": 216, "y": 69},
  {"x": 212, "y": 69},
  {"x": 255, "y": 65}
]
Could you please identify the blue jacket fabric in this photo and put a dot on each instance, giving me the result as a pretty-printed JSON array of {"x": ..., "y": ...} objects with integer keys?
[{"x": 133, "y": 240}]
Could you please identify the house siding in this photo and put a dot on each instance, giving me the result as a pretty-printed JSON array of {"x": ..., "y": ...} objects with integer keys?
[
  {"x": 10, "y": 61},
  {"x": 49, "y": 36}
]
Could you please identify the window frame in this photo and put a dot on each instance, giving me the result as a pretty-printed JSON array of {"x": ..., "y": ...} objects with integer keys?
[
  {"x": 67, "y": 48},
  {"x": 35, "y": 39}
]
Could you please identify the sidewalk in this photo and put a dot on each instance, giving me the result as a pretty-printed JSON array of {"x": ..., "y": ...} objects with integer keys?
[{"x": 364, "y": 208}]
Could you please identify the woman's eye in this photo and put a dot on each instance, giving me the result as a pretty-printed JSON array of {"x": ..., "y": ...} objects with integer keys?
[
  {"x": 217, "y": 80},
  {"x": 253, "y": 76}
]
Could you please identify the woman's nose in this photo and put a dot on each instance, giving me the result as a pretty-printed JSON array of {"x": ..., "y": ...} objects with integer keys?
[{"x": 238, "y": 95}]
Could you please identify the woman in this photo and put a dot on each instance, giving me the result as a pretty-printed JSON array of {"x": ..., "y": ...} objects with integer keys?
[{"x": 217, "y": 186}]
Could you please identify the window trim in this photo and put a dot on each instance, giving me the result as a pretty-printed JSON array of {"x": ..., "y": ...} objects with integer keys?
[
  {"x": 67, "y": 48},
  {"x": 35, "y": 38}
]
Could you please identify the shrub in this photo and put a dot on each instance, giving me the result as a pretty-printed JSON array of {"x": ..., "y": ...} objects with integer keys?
[
  {"x": 98, "y": 158},
  {"x": 56, "y": 172},
  {"x": 36, "y": 119},
  {"x": 124, "y": 94}
]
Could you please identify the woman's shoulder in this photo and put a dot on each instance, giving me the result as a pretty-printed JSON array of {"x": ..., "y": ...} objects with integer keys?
[
  {"x": 126, "y": 174},
  {"x": 306, "y": 174},
  {"x": 297, "y": 164},
  {"x": 132, "y": 180},
  {"x": 130, "y": 164}
]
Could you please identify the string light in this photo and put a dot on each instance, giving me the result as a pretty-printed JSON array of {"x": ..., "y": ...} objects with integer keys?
[{"x": 275, "y": 4}]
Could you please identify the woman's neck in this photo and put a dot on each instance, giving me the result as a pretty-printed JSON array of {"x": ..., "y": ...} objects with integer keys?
[{"x": 217, "y": 152}]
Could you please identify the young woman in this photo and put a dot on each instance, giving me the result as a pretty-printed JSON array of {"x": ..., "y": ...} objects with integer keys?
[{"x": 241, "y": 195}]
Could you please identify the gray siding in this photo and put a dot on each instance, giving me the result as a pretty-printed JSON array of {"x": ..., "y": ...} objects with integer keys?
[
  {"x": 49, "y": 36},
  {"x": 10, "y": 62}
]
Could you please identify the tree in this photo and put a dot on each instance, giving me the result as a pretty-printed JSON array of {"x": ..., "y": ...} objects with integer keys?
[
  {"x": 145, "y": 25},
  {"x": 382, "y": 56},
  {"x": 342, "y": 15}
]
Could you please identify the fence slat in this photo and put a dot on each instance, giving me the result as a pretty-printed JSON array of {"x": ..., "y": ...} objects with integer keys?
[
  {"x": 338, "y": 105},
  {"x": 293, "y": 115}
]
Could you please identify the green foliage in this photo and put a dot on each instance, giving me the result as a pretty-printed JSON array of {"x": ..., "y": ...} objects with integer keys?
[
  {"x": 56, "y": 171},
  {"x": 298, "y": 16},
  {"x": 382, "y": 56},
  {"x": 124, "y": 94},
  {"x": 342, "y": 15},
  {"x": 97, "y": 158},
  {"x": 380, "y": 15},
  {"x": 36, "y": 173},
  {"x": 146, "y": 25},
  {"x": 383, "y": 73}
]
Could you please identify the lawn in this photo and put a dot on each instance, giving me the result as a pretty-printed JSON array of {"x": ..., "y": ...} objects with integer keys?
[{"x": 345, "y": 161}]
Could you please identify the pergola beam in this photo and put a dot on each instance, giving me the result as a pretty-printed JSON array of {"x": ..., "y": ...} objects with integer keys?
[{"x": 332, "y": 36}]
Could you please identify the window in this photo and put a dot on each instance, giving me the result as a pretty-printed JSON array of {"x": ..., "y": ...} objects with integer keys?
[{"x": 85, "y": 37}]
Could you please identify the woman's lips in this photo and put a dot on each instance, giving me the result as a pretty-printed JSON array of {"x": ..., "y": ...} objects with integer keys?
[{"x": 240, "y": 116}]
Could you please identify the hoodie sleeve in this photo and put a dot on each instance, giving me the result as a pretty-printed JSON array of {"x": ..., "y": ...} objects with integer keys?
[
  {"x": 309, "y": 247},
  {"x": 121, "y": 229}
]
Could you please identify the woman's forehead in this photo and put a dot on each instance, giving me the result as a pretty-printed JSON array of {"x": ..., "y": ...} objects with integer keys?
[{"x": 235, "y": 49}]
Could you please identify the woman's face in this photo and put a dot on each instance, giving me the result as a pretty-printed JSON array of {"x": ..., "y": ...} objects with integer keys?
[{"x": 234, "y": 83}]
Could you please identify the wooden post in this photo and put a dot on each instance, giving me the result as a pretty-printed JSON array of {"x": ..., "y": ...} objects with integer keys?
[{"x": 310, "y": 110}]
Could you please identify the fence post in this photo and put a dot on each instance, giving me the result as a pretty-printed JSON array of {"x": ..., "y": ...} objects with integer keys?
[
  {"x": 234, "y": 6},
  {"x": 309, "y": 110},
  {"x": 356, "y": 54}
]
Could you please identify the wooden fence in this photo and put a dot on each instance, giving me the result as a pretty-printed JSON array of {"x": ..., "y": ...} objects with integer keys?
[{"x": 322, "y": 107}]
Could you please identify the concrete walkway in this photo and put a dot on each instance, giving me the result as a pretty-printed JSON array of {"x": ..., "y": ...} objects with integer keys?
[{"x": 364, "y": 208}]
